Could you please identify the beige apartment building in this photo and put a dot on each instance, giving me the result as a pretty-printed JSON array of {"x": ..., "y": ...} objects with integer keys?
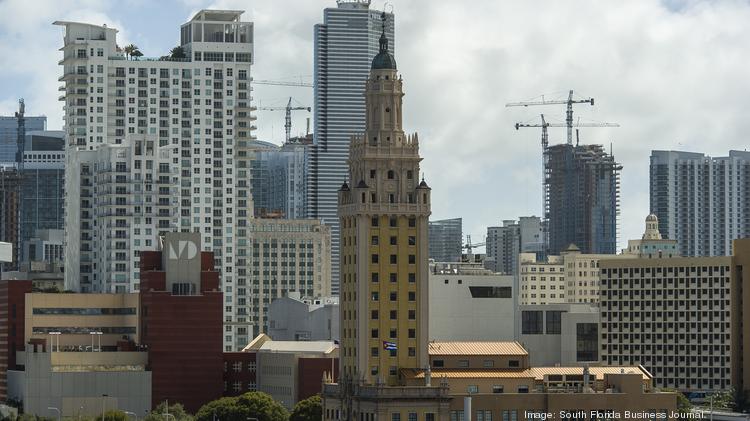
[
  {"x": 672, "y": 315},
  {"x": 579, "y": 280}
]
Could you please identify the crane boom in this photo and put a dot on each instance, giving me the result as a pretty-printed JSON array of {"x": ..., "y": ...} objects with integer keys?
[
  {"x": 282, "y": 83},
  {"x": 287, "y": 115},
  {"x": 569, "y": 113}
]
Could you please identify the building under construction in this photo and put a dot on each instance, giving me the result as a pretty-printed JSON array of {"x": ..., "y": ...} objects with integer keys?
[{"x": 582, "y": 184}]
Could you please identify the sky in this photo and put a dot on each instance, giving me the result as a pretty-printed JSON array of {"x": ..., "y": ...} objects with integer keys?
[{"x": 672, "y": 73}]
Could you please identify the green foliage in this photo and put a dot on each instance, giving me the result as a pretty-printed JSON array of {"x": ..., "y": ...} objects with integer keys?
[
  {"x": 175, "y": 410},
  {"x": 29, "y": 417},
  {"x": 721, "y": 400},
  {"x": 683, "y": 403},
  {"x": 257, "y": 405},
  {"x": 113, "y": 415},
  {"x": 310, "y": 409},
  {"x": 136, "y": 54},
  {"x": 177, "y": 52}
]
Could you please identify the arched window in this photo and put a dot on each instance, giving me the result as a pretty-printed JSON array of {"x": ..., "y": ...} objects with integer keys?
[{"x": 391, "y": 175}]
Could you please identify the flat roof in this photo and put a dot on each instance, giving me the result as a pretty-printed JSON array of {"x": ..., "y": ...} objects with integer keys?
[
  {"x": 537, "y": 373},
  {"x": 476, "y": 348}
]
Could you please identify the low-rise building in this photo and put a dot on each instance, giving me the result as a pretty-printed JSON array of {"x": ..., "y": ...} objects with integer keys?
[
  {"x": 560, "y": 334},
  {"x": 541, "y": 282},
  {"x": 468, "y": 302},
  {"x": 293, "y": 318},
  {"x": 291, "y": 371}
]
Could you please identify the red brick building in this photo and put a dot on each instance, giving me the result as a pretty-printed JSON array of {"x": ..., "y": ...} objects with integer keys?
[
  {"x": 181, "y": 322},
  {"x": 310, "y": 374},
  {"x": 240, "y": 372},
  {"x": 12, "y": 308}
]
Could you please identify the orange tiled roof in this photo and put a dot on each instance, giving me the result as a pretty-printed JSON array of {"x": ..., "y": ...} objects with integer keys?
[
  {"x": 537, "y": 373},
  {"x": 476, "y": 348}
]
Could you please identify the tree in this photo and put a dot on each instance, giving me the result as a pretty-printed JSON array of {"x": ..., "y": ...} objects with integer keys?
[
  {"x": 177, "y": 52},
  {"x": 683, "y": 403},
  {"x": 112, "y": 415},
  {"x": 257, "y": 405},
  {"x": 176, "y": 410},
  {"x": 721, "y": 400},
  {"x": 129, "y": 50},
  {"x": 136, "y": 54},
  {"x": 310, "y": 409}
]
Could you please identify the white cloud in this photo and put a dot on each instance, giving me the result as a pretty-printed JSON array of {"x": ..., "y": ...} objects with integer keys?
[{"x": 673, "y": 74}]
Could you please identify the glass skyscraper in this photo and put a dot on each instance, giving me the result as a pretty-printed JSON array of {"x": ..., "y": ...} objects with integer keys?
[
  {"x": 345, "y": 44},
  {"x": 9, "y": 135}
]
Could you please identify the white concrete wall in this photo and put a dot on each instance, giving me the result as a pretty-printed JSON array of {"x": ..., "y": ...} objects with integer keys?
[{"x": 456, "y": 315}]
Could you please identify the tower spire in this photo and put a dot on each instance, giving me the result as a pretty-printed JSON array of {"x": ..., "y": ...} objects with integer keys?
[
  {"x": 383, "y": 38},
  {"x": 384, "y": 59}
]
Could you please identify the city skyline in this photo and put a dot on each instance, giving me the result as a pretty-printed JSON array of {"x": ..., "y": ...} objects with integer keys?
[{"x": 498, "y": 59}]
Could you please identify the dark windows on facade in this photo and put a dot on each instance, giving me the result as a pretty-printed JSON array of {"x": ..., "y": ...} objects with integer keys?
[
  {"x": 532, "y": 322},
  {"x": 586, "y": 342},
  {"x": 490, "y": 292},
  {"x": 554, "y": 322}
]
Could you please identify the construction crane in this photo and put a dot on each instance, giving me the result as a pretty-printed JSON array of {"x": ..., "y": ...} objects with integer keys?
[
  {"x": 568, "y": 115},
  {"x": 469, "y": 246},
  {"x": 545, "y": 124},
  {"x": 288, "y": 116},
  {"x": 282, "y": 83}
]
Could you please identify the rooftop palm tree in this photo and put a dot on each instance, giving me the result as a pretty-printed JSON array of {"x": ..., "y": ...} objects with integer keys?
[{"x": 129, "y": 49}]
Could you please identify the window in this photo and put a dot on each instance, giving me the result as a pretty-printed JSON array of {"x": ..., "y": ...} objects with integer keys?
[
  {"x": 393, "y": 315},
  {"x": 412, "y": 333},
  {"x": 586, "y": 342},
  {"x": 412, "y": 259},
  {"x": 514, "y": 363},
  {"x": 374, "y": 333},
  {"x": 374, "y": 315},
  {"x": 393, "y": 278},
  {"x": 523, "y": 389},
  {"x": 395, "y": 416},
  {"x": 375, "y": 258},
  {"x": 391, "y": 175},
  {"x": 412, "y": 315},
  {"x": 497, "y": 389},
  {"x": 394, "y": 240},
  {"x": 412, "y": 296},
  {"x": 375, "y": 277},
  {"x": 394, "y": 259},
  {"x": 463, "y": 363},
  {"x": 393, "y": 222},
  {"x": 490, "y": 292},
  {"x": 394, "y": 296},
  {"x": 412, "y": 240},
  {"x": 375, "y": 296},
  {"x": 472, "y": 388},
  {"x": 553, "y": 322},
  {"x": 412, "y": 351},
  {"x": 531, "y": 322},
  {"x": 412, "y": 277},
  {"x": 429, "y": 416},
  {"x": 374, "y": 240},
  {"x": 374, "y": 351},
  {"x": 438, "y": 363},
  {"x": 488, "y": 363},
  {"x": 412, "y": 222},
  {"x": 374, "y": 221}
]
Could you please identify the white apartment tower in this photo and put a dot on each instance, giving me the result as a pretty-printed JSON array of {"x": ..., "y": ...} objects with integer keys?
[
  {"x": 702, "y": 202},
  {"x": 157, "y": 145}
]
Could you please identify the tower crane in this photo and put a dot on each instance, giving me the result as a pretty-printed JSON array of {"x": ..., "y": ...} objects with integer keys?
[
  {"x": 288, "y": 115},
  {"x": 469, "y": 246},
  {"x": 568, "y": 115}
]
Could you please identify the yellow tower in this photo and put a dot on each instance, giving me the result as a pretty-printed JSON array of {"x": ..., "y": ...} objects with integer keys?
[{"x": 384, "y": 250}]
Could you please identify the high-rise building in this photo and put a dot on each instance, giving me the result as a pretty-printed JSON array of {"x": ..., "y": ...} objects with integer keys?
[
  {"x": 740, "y": 333},
  {"x": 702, "y": 202},
  {"x": 10, "y": 202},
  {"x": 345, "y": 44},
  {"x": 583, "y": 200},
  {"x": 158, "y": 145},
  {"x": 286, "y": 255},
  {"x": 505, "y": 243},
  {"x": 671, "y": 315},
  {"x": 42, "y": 193},
  {"x": 384, "y": 271},
  {"x": 446, "y": 240},
  {"x": 279, "y": 179},
  {"x": 9, "y": 135}
]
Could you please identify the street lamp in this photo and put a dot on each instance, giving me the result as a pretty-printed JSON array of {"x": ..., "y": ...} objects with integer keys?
[
  {"x": 52, "y": 408},
  {"x": 103, "y": 399}
]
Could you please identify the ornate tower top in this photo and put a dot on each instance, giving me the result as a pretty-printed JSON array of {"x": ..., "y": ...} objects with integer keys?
[
  {"x": 384, "y": 59},
  {"x": 652, "y": 228}
]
